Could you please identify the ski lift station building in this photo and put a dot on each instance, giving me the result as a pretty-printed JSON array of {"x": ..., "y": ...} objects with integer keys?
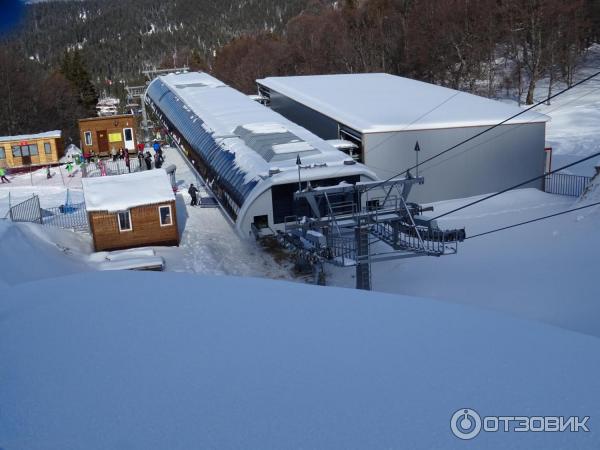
[
  {"x": 246, "y": 152},
  {"x": 381, "y": 117}
]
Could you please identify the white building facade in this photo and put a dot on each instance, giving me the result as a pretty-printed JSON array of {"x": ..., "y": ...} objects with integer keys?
[{"x": 385, "y": 116}]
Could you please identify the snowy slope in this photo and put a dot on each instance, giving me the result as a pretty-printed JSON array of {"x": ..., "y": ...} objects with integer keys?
[
  {"x": 29, "y": 252},
  {"x": 573, "y": 131},
  {"x": 545, "y": 271},
  {"x": 219, "y": 362}
]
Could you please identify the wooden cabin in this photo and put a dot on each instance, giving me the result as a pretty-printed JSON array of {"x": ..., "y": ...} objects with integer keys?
[
  {"x": 100, "y": 135},
  {"x": 31, "y": 149},
  {"x": 131, "y": 210}
]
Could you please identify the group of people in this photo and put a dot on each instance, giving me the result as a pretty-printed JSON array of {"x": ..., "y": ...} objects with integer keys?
[
  {"x": 119, "y": 154},
  {"x": 147, "y": 158}
]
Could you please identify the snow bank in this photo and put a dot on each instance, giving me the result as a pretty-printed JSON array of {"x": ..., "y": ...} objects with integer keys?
[
  {"x": 29, "y": 252},
  {"x": 157, "y": 361}
]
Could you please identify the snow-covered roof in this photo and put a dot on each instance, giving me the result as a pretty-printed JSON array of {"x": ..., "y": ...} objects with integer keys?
[
  {"x": 379, "y": 102},
  {"x": 241, "y": 138},
  {"x": 122, "y": 192},
  {"x": 27, "y": 137}
]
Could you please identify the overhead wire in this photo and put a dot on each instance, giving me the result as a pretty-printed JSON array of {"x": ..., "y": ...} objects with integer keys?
[
  {"x": 532, "y": 220},
  {"x": 531, "y": 180}
]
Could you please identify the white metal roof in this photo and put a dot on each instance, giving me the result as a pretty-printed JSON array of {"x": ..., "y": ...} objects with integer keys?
[
  {"x": 26, "y": 137},
  {"x": 379, "y": 102},
  {"x": 122, "y": 192},
  {"x": 225, "y": 110}
]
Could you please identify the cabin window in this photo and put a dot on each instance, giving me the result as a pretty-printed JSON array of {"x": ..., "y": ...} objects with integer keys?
[
  {"x": 166, "y": 219},
  {"x": 47, "y": 148},
  {"x": 2, "y": 153},
  {"x": 33, "y": 149},
  {"x": 125, "y": 221},
  {"x": 88, "y": 137},
  {"x": 16, "y": 151}
]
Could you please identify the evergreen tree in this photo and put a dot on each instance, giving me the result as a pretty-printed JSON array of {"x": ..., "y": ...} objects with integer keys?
[{"x": 74, "y": 70}]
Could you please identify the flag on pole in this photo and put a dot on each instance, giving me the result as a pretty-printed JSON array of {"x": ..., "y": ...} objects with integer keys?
[
  {"x": 298, "y": 162},
  {"x": 417, "y": 148}
]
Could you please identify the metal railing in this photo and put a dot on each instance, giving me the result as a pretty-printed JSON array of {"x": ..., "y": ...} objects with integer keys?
[
  {"x": 70, "y": 216},
  {"x": 26, "y": 211},
  {"x": 109, "y": 167},
  {"x": 566, "y": 184}
]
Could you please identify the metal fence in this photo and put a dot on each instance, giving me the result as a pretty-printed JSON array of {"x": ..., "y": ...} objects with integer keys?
[
  {"x": 70, "y": 216},
  {"x": 26, "y": 211},
  {"x": 108, "y": 167},
  {"x": 565, "y": 184}
]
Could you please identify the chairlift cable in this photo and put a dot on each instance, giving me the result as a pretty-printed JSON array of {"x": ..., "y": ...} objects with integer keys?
[{"x": 532, "y": 220}]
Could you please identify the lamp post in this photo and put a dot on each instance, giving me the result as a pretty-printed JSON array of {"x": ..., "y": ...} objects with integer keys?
[
  {"x": 299, "y": 164},
  {"x": 417, "y": 150}
]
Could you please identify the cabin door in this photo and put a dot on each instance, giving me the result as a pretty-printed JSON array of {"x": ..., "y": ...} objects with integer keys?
[
  {"x": 25, "y": 155},
  {"x": 128, "y": 139},
  {"x": 102, "y": 142}
]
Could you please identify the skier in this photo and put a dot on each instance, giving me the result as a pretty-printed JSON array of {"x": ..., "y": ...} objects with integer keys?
[
  {"x": 48, "y": 174},
  {"x": 156, "y": 146},
  {"x": 3, "y": 175},
  {"x": 194, "y": 194},
  {"x": 70, "y": 169}
]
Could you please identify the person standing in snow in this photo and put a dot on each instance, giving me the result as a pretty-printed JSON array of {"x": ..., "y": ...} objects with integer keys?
[
  {"x": 113, "y": 152},
  {"x": 48, "y": 174},
  {"x": 127, "y": 163},
  {"x": 148, "y": 159},
  {"x": 70, "y": 169},
  {"x": 140, "y": 157},
  {"x": 3, "y": 175},
  {"x": 194, "y": 194},
  {"x": 156, "y": 146},
  {"x": 157, "y": 161}
]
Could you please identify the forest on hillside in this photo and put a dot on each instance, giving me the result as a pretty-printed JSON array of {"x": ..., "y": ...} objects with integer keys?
[{"x": 67, "y": 53}]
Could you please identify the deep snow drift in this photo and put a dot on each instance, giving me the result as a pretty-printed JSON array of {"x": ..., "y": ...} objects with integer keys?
[{"x": 120, "y": 360}]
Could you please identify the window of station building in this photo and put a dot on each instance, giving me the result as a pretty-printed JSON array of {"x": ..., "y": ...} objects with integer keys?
[
  {"x": 33, "y": 149},
  {"x": 2, "y": 153},
  {"x": 164, "y": 213},
  {"x": 16, "y": 151},
  {"x": 88, "y": 137},
  {"x": 261, "y": 222},
  {"x": 124, "y": 219},
  {"x": 47, "y": 148}
]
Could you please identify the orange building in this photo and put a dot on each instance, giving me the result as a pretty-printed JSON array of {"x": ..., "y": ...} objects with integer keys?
[
  {"x": 31, "y": 149},
  {"x": 101, "y": 134}
]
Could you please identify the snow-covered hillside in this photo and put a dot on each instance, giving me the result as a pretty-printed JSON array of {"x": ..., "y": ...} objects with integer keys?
[{"x": 175, "y": 361}]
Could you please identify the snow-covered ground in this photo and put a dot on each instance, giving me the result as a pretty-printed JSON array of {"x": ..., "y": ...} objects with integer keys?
[
  {"x": 209, "y": 244},
  {"x": 174, "y": 361}
]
